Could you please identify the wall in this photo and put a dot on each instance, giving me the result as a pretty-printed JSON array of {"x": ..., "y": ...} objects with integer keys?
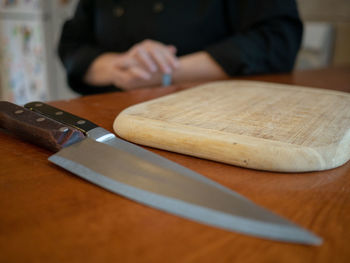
[
  {"x": 29, "y": 66},
  {"x": 336, "y": 12}
]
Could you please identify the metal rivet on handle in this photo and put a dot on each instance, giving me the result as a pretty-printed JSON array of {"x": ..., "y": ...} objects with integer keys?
[
  {"x": 58, "y": 113},
  {"x": 40, "y": 119},
  {"x": 63, "y": 129},
  {"x": 38, "y": 104},
  {"x": 19, "y": 112},
  {"x": 81, "y": 122}
]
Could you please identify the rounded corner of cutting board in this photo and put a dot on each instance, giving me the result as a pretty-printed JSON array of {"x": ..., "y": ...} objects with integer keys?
[
  {"x": 121, "y": 124},
  {"x": 137, "y": 124}
]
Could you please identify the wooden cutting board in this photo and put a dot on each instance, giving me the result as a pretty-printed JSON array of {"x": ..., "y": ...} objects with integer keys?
[{"x": 251, "y": 124}]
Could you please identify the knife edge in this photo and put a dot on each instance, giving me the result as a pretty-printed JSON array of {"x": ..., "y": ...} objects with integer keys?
[{"x": 190, "y": 211}]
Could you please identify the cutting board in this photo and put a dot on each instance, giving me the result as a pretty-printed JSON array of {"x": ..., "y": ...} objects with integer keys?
[{"x": 252, "y": 124}]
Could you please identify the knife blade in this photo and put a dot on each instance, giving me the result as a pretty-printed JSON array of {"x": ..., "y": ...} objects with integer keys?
[
  {"x": 128, "y": 174},
  {"x": 99, "y": 134}
]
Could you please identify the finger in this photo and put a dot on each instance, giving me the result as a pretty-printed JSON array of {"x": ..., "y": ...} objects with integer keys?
[
  {"x": 171, "y": 60},
  {"x": 126, "y": 79},
  {"x": 160, "y": 59},
  {"x": 172, "y": 49},
  {"x": 124, "y": 61},
  {"x": 140, "y": 73},
  {"x": 146, "y": 60}
]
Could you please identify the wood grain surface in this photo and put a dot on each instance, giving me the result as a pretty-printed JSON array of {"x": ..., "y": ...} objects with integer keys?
[
  {"x": 50, "y": 215},
  {"x": 253, "y": 124}
]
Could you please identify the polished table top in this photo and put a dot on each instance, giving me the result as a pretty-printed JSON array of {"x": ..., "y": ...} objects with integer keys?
[{"x": 50, "y": 215}]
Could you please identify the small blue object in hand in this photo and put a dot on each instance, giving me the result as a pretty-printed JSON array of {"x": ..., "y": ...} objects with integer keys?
[{"x": 166, "y": 80}]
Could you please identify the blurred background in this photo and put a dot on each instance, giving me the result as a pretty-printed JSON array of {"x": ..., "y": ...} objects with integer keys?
[
  {"x": 29, "y": 31},
  {"x": 326, "y": 40}
]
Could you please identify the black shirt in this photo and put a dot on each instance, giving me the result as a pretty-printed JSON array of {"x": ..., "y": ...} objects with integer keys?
[{"x": 244, "y": 36}]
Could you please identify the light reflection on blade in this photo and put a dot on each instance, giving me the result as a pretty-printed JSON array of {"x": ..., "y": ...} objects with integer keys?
[{"x": 168, "y": 190}]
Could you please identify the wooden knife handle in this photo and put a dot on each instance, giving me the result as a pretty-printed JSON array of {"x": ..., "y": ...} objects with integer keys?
[
  {"x": 36, "y": 128},
  {"x": 61, "y": 116}
]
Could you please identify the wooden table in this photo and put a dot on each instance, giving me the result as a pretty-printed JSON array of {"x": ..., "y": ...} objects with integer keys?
[{"x": 50, "y": 215}]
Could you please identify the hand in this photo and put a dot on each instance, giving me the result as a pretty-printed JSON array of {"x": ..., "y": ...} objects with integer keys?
[
  {"x": 116, "y": 69},
  {"x": 134, "y": 77},
  {"x": 111, "y": 69},
  {"x": 142, "y": 65},
  {"x": 153, "y": 56}
]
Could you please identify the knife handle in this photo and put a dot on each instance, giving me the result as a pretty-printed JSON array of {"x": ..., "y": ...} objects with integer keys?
[
  {"x": 36, "y": 128},
  {"x": 61, "y": 116}
]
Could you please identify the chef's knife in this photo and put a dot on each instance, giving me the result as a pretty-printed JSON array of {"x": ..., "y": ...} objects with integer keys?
[{"x": 130, "y": 175}]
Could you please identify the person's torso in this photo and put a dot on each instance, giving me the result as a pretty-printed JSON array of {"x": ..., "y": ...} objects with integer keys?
[{"x": 190, "y": 25}]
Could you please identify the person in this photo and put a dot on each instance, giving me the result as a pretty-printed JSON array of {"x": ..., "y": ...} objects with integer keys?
[{"x": 116, "y": 45}]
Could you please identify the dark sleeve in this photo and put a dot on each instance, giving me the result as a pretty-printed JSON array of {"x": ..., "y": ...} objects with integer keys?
[
  {"x": 77, "y": 48},
  {"x": 266, "y": 36}
]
